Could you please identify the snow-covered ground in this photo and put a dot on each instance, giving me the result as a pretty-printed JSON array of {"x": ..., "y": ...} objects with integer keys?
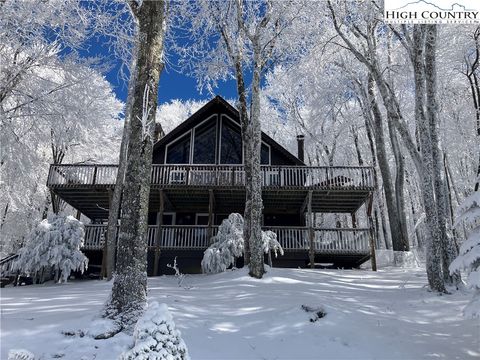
[{"x": 383, "y": 315}]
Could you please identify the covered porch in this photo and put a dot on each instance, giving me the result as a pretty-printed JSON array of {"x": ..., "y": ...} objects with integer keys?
[{"x": 341, "y": 247}]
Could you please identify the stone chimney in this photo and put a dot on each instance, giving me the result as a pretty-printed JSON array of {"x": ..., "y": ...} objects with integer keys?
[{"x": 301, "y": 147}]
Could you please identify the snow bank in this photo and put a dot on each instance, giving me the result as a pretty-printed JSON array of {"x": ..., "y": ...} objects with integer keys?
[{"x": 20, "y": 355}]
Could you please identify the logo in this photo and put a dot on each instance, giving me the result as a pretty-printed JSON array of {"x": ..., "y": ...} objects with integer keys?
[{"x": 432, "y": 11}]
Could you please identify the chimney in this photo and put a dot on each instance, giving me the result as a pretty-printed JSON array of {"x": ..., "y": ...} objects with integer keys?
[
  {"x": 301, "y": 150},
  {"x": 158, "y": 132}
]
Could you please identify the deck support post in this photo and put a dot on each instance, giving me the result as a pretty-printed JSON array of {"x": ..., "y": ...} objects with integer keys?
[
  {"x": 354, "y": 220},
  {"x": 158, "y": 234},
  {"x": 311, "y": 233},
  {"x": 211, "y": 200},
  {"x": 55, "y": 201},
  {"x": 105, "y": 242},
  {"x": 373, "y": 257}
]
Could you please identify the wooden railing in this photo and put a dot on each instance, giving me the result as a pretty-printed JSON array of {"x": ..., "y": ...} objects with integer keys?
[
  {"x": 320, "y": 177},
  {"x": 325, "y": 239},
  {"x": 196, "y": 237}
]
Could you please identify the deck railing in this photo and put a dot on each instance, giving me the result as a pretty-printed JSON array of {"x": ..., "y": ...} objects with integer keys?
[
  {"x": 321, "y": 177},
  {"x": 196, "y": 237}
]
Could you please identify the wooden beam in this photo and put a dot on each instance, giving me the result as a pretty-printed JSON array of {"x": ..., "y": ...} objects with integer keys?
[
  {"x": 354, "y": 219},
  {"x": 166, "y": 201},
  {"x": 311, "y": 232},
  {"x": 211, "y": 204},
  {"x": 158, "y": 235},
  {"x": 105, "y": 243},
  {"x": 305, "y": 202},
  {"x": 373, "y": 257}
]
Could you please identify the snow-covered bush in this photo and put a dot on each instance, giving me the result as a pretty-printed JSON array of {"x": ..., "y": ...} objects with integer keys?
[
  {"x": 229, "y": 244},
  {"x": 156, "y": 337},
  {"x": 270, "y": 243},
  {"x": 20, "y": 355},
  {"x": 54, "y": 244},
  {"x": 469, "y": 257}
]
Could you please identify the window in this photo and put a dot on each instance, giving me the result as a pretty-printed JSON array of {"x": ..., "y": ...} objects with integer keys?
[
  {"x": 264, "y": 155},
  {"x": 204, "y": 143},
  {"x": 201, "y": 219},
  {"x": 231, "y": 145},
  {"x": 179, "y": 151}
]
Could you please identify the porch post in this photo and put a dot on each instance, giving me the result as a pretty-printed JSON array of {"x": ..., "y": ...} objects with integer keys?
[
  {"x": 105, "y": 242},
  {"x": 54, "y": 202},
  {"x": 158, "y": 234},
  {"x": 311, "y": 233},
  {"x": 354, "y": 219},
  {"x": 210, "y": 213},
  {"x": 373, "y": 257}
]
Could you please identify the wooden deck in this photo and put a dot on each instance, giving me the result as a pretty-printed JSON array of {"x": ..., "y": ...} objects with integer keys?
[
  {"x": 334, "y": 241},
  {"x": 284, "y": 188}
]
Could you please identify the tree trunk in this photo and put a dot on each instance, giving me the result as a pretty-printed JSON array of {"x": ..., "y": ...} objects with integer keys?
[
  {"x": 253, "y": 174},
  {"x": 449, "y": 252},
  {"x": 389, "y": 191},
  {"x": 115, "y": 201},
  {"x": 434, "y": 242},
  {"x": 129, "y": 291},
  {"x": 403, "y": 243}
]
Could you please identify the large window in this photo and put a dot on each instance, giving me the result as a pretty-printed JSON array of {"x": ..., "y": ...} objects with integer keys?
[
  {"x": 264, "y": 155},
  {"x": 204, "y": 143},
  {"x": 179, "y": 151},
  {"x": 231, "y": 144}
]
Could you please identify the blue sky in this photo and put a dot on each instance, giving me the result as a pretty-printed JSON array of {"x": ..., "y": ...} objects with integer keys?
[{"x": 173, "y": 85}]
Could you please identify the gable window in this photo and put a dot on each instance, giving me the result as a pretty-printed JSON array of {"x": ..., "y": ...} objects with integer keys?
[
  {"x": 179, "y": 151},
  {"x": 231, "y": 145},
  {"x": 265, "y": 155},
  {"x": 204, "y": 143}
]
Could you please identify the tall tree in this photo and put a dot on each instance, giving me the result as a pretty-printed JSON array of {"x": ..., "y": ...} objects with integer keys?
[
  {"x": 129, "y": 291},
  {"x": 472, "y": 63},
  {"x": 241, "y": 39},
  {"x": 422, "y": 154}
]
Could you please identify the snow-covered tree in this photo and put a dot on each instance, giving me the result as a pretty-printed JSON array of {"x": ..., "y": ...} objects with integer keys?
[
  {"x": 129, "y": 291},
  {"x": 469, "y": 256},
  {"x": 54, "y": 244},
  {"x": 156, "y": 337},
  {"x": 229, "y": 244},
  {"x": 241, "y": 40}
]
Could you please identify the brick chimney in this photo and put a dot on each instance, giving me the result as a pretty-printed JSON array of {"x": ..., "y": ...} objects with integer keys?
[{"x": 301, "y": 147}]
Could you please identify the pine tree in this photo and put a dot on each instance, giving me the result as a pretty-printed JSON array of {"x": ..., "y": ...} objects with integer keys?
[
  {"x": 54, "y": 244},
  {"x": 156, "y": 337},
  {"x": 469, "y": 257}
]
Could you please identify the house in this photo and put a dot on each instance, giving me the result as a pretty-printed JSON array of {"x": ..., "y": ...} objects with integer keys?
[{"x": 198, "y": 179}]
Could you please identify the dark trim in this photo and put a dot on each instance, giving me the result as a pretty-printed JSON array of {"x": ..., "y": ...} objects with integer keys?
[{"x": 229, "y": 110}]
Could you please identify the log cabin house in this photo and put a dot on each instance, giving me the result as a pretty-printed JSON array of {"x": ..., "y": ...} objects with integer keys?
[{"x": 198, "y": 179}]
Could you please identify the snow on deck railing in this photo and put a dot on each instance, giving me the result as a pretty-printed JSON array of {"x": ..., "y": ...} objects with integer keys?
[
  {"x": 321, "y": 177},
  {"x": 196, "y": 237}
]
